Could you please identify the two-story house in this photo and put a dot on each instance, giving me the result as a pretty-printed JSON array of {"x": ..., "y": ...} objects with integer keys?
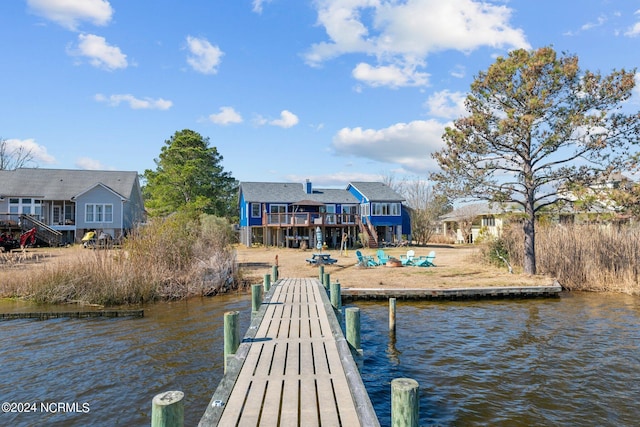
[
  {"x": 63, "y": 204},
  {"x": 289, "y": 214}
]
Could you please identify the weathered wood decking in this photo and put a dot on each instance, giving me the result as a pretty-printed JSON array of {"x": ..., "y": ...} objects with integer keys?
[{"x": 294, "y": 367}]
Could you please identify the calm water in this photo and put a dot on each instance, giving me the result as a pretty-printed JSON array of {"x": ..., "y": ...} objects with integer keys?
[{"x": 572, "y": 361}]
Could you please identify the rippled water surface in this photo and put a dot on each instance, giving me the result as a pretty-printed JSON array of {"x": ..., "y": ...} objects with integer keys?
[{"x": 572, "y": 361}]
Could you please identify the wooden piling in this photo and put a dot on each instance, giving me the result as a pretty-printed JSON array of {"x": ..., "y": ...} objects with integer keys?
[
  {"x": 326, "y": 281},
  {"x": 167, "y": 409},
  {"x": 336, "y": 296},
  {"x": 231, "y": 334},
  {"x": 405, "y": 403},
  {"x": 256, "y": 298},
  {"x": 352, "y": 315},
  {"x": 267, "y": 282},
  {"x": 274, "y": 273},
  {"x": 392, "y": 315},
  {"x": 321, "y": 273}
]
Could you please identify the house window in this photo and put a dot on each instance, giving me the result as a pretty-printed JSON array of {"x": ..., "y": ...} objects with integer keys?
[
  {"x": 255, "y": 210},
  {"x": 385, "y": 209},
  {"x": 98, "y": 212},
  {"x": 488, "y": 222},
  {"x": 365, "y": 209},
  {"x": 278, "y": 208},
  {"x": 26, "y": 206}
]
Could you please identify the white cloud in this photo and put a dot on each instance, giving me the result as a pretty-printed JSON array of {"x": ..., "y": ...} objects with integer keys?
[
  {"x": 287, "y": 119},
  {"x": 99, "y": 52},
  {"x": 449, "y": 105},
  {"x": 636, "y": 88},
  {"x": 135, "y": 103},
  {"x": 69, "y": 13},
  {"x": 87, "y": 163},
  {"x": 204, "y": 57},
  {"x": 407, "y": 144},
  {"x": 257, "y": 5},
  {"x": 634, "y": 30},
  {"x": 389, "y": 75},
  {"x": 38, "y": 151},
  {"x": 226, "y": 116},
  {"x": 402, "y": 34}
]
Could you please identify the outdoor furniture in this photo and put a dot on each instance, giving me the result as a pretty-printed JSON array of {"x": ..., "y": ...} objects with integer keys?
[
  {"x": 321, "y": 259},
  {"x": 365, "y": 260},
  {"x": 408, "y": 258},
  {"x": 382, "y": 257},
  {"x": 425, "y": 261}
]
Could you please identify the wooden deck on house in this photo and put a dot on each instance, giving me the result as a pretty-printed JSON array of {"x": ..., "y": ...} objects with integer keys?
[{"x": 294, "y": 367}]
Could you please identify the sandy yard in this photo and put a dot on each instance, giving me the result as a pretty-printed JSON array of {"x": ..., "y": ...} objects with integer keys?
[{"x": 456, "y": 267}]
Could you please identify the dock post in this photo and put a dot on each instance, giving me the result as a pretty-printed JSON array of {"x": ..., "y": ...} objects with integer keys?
[
  {"x": 231, "y": 334},
  {"x": 327, "y": 280},
  {"x": 336, "y": 295},
  {"x": 321, "y": 273},
  {"x": 352, "y": 315},
  {"x": 167, "y": 409},
  {"x": 405, "y": 403},
  {"x": 256, "y": 298},
  {"x": 274, "y": 273},
  {"x": 267, "y": 282},
  {"x": 392, "y": 315}
]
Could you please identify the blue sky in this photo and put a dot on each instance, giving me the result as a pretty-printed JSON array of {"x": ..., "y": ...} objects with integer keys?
[{"x": 329, "y": 90}]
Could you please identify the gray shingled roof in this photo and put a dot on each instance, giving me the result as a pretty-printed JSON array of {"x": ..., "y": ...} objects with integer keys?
[
  {"x": 62, "y": 184},
  {"x": 288, "y": 192},
  {"x": 377, "y": 191}
]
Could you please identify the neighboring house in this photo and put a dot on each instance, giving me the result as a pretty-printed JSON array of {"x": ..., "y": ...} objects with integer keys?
[
  {"x": 288, "y": 214},
  {"x": 63, "y": 204},
  {"x": 466, "y": 223}
]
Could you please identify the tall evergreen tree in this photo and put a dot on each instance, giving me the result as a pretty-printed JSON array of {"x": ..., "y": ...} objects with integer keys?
[
  {"x": 189, "y": 177},
  {"x": 537, "y": 125}
]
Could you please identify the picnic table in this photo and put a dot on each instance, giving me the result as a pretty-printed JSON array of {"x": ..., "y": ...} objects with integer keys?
[{"x": 321, "y": 259}]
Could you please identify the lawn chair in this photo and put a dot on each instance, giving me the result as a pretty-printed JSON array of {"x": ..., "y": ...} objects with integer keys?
[
  {"x": 382, "y": 257},
  {"x": 408, "y": 258},
  {"x": 365, "y": 260},
  {"x": 426, "y": 261}
]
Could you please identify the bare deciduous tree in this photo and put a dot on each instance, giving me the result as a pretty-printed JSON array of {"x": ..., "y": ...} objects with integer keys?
[{"x": 14, "y": 157}]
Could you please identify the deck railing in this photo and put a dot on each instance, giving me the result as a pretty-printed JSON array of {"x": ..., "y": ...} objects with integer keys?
[{"x": 307, "y": 219}]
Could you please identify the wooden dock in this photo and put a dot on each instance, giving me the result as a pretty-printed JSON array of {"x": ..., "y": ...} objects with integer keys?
[{"x": 294, "y": 367}]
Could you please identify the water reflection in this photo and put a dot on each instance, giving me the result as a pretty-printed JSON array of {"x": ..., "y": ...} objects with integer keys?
[{"x": 568, "y": 361}]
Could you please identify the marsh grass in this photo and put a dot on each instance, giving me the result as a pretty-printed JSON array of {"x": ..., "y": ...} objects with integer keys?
[
  {"x": 581, "y": 257},
  {"x": 172, "y": 258}
]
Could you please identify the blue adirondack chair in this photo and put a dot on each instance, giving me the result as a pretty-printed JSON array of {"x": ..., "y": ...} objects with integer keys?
[
  {"x": 426, "y": 261},
  {"x": 365, "y": 260},
  {"x": 382, "y": 257},
  {"x": 408, "y": 258}
]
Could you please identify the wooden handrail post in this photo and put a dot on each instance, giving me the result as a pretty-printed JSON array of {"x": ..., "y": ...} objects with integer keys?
[
  {"x": 327, "y": 280},
  {"x": 256, "y": 298},
  {"x": 231, "y": 334},
  {"x": 167, "y": 409},
  {"x": 336, "y": 295},
  {"x": 405, "y": 403},
  {"x": 352, "y": 315}
]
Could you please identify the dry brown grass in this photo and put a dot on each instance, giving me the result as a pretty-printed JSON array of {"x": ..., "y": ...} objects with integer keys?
[{"x": 456, "y": 267}]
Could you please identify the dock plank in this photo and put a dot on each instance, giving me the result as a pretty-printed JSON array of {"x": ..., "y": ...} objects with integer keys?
[{"x": 292, "y": 371}]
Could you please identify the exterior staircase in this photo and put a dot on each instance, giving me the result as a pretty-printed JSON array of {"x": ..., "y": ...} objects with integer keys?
[
  {"x": 43, "y": 231},
  {"x": 371, "y": 235}
]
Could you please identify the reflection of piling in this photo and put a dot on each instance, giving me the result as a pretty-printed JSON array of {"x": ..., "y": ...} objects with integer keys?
[
  {"x": 392, "y": 315},
  {"x": 231, "y": 334},
  {"x": 405, "y": 403},
  {"x": 167, "y": 409}
]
